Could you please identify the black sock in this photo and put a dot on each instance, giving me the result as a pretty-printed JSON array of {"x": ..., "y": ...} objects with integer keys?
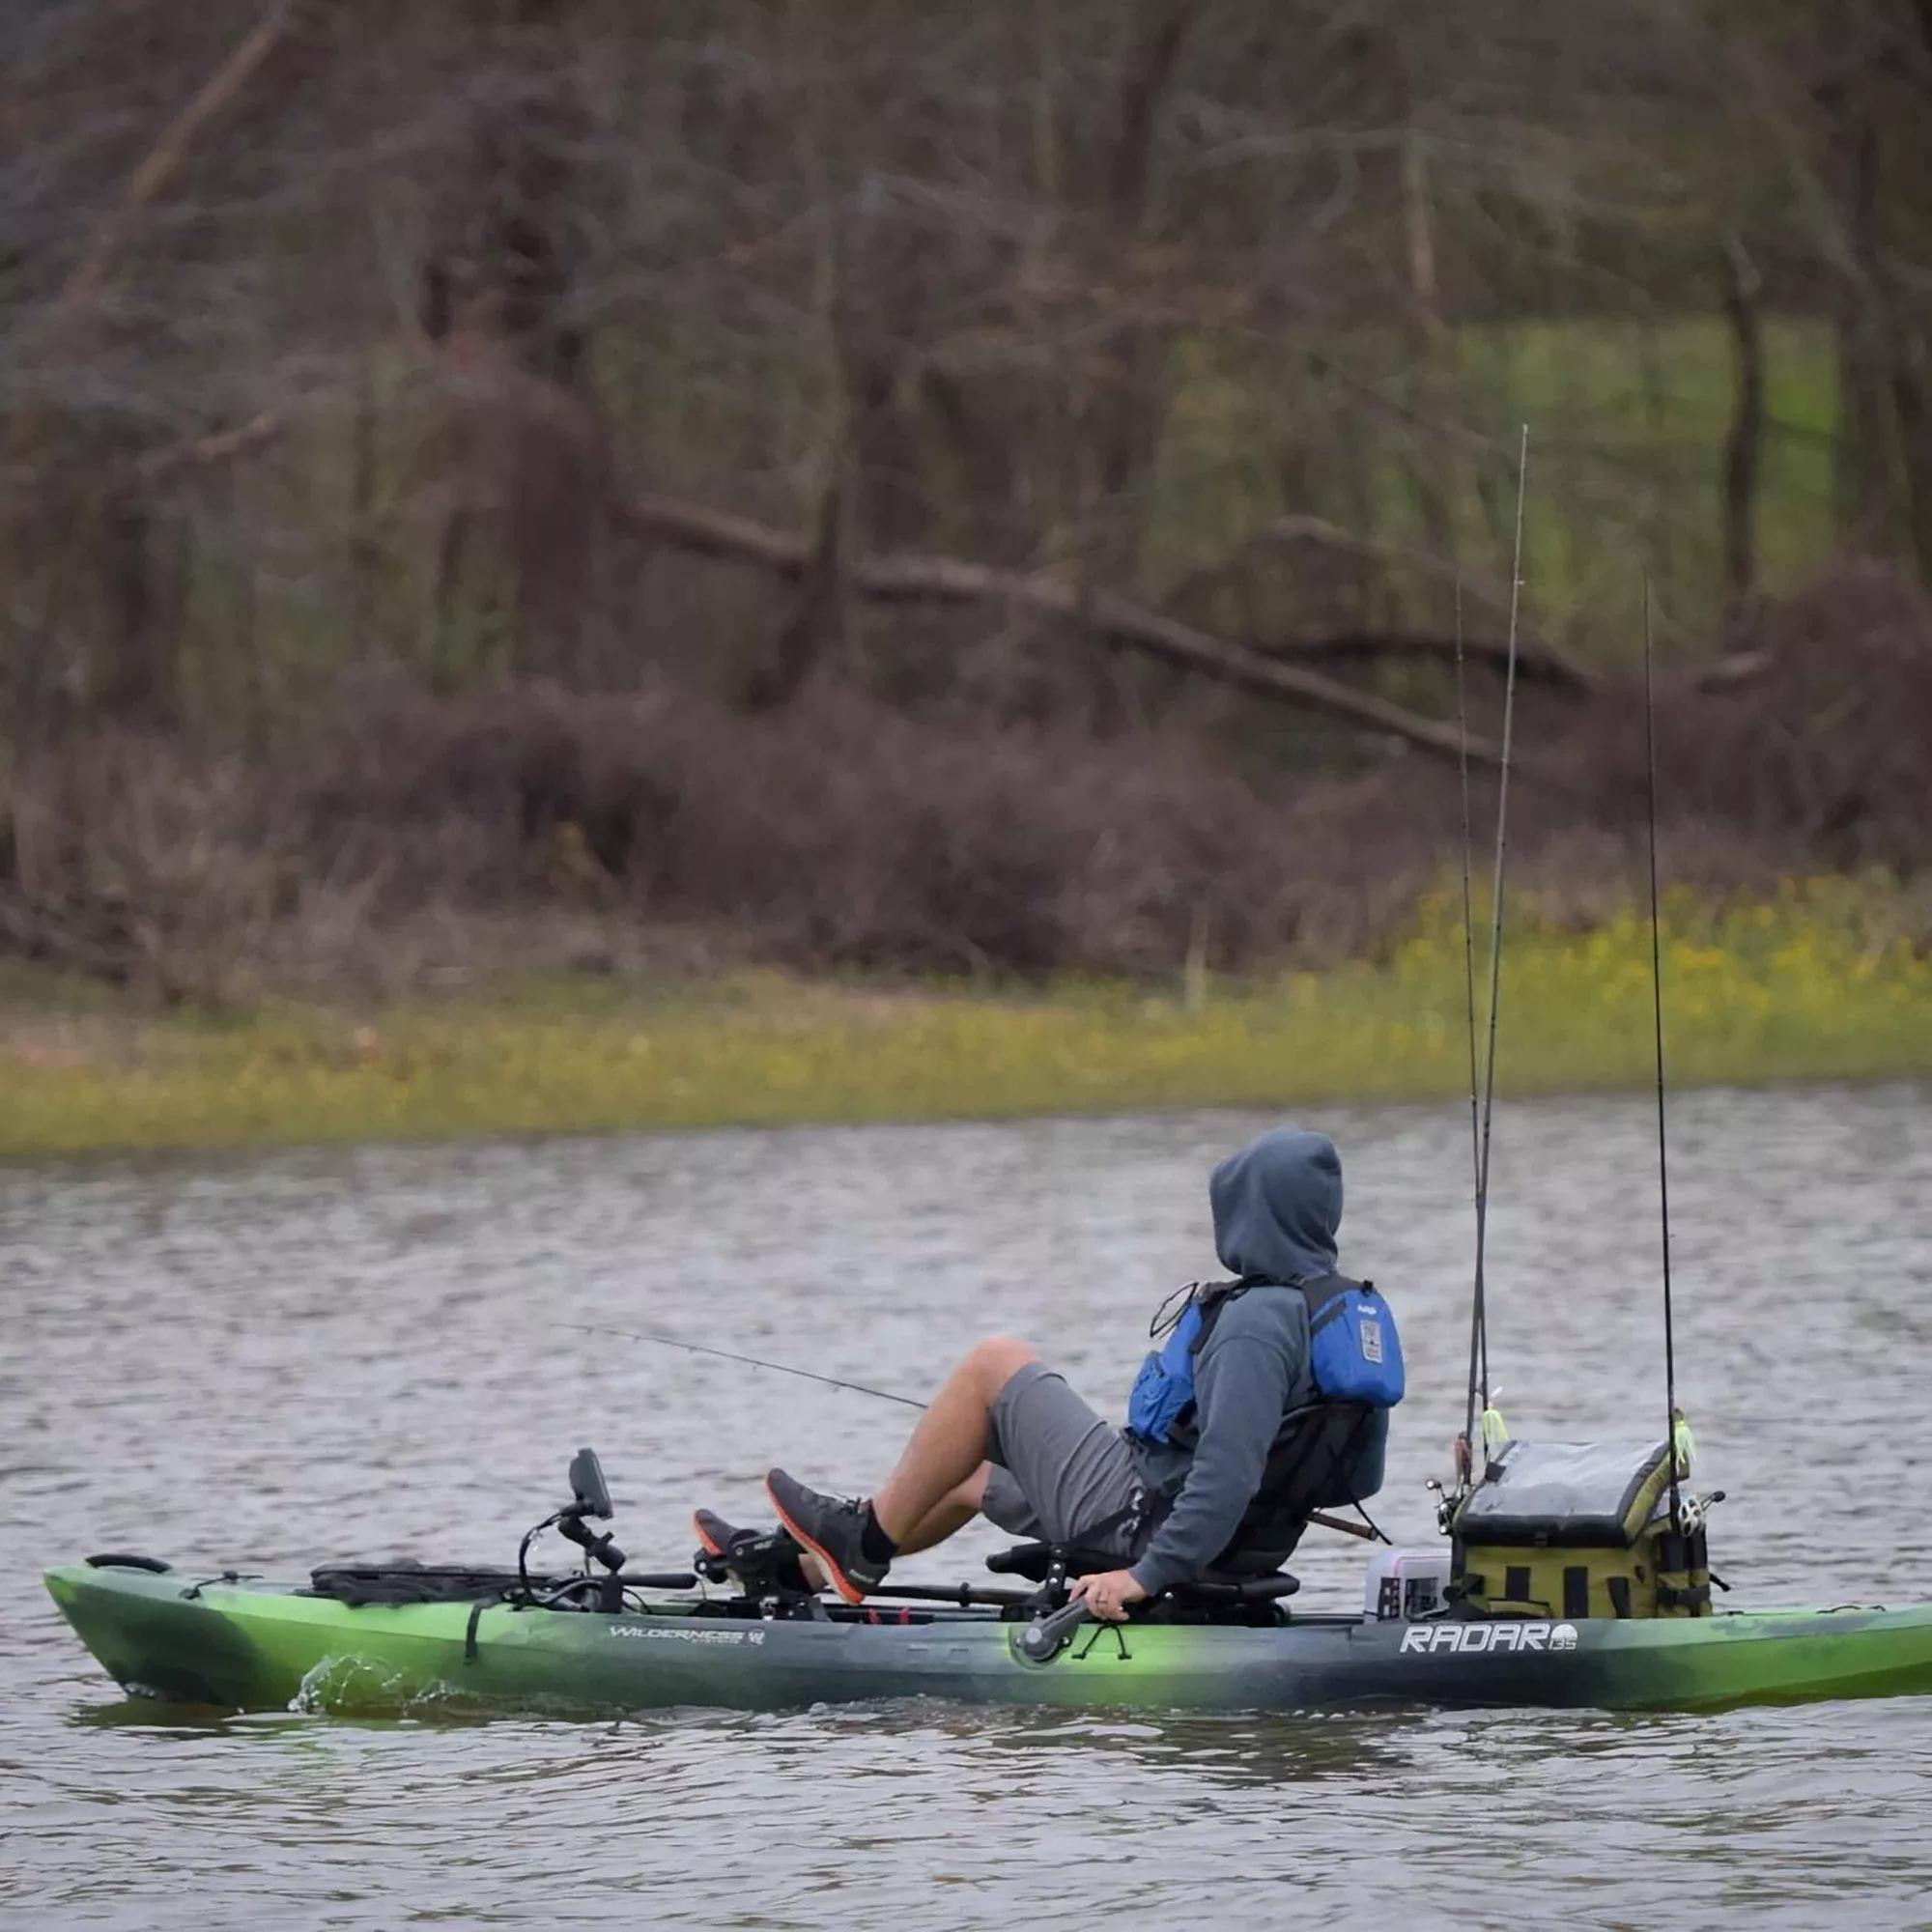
[{"x": 874, "y": 1545}]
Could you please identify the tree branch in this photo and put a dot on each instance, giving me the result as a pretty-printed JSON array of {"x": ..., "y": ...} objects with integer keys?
[
  {"x": 949, "y": 581},
  {"x": 164, "y": 159},
  {"x": 217, "y": 447},
  {"x": 1534, "y": 662},
  {"x": 1541, "y": 663}
]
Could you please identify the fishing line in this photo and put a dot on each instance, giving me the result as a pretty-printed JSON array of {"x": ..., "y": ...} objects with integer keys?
[
  {"x": 1319, "y": 1518},
  {"x": 1656, "y": 1014},
  {"x": 750, "y": 1361},
  {"x": 1478, "y": 1324}
]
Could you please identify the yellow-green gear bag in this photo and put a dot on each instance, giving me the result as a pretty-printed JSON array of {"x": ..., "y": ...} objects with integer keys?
[{"x": 1567, "y": 1529}]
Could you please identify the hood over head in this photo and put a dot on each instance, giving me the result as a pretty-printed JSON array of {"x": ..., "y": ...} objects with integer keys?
[{"x": 1277, "y": 1204}]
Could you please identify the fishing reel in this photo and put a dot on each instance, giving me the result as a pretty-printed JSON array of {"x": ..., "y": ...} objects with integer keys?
[
  {"x": 1492, "y": 1434},
  {"x": 1445, "y": 1502},
  {"x": 1696, "y": 1509}
]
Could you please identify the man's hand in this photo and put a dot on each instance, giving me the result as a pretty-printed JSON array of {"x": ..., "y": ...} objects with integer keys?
[{"x": 1108, "y": 1593}]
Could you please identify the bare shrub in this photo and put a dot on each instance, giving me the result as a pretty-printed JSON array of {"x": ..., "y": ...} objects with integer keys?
[
  {"x": 407, "y": 834},
  {"x": 1811, "y": 754},
  {"x": 124, "y": 856},
  {"x": 841, "y": 833}
]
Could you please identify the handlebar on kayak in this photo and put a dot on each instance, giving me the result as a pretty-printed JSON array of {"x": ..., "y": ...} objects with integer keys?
[
  {"x": 571, "y": 1525},
  {"x": 1043, "y": 1639}
]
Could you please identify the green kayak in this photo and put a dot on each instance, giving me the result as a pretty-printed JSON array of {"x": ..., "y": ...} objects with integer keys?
[{"x": 247, "y": 1644}]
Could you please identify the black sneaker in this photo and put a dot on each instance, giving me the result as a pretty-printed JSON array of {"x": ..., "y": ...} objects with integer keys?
[
  {"x": 831, "y": 1527},
  {"x": 758, "y": 1560}
]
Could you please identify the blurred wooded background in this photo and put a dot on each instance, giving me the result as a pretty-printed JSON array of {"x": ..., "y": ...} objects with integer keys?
[{"x": 938, "y": 487}]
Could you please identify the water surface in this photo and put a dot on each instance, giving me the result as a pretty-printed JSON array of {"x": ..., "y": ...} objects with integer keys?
[{"x": 278, "y": 1360}]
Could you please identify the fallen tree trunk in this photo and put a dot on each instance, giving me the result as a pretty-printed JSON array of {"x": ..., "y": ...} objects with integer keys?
[
  {"x": 1535, "y": 663},
  {"x": 1119, "y": 620}
]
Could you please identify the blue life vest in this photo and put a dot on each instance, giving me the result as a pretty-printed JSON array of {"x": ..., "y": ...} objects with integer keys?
[{"x": 1355, "y": 1351}]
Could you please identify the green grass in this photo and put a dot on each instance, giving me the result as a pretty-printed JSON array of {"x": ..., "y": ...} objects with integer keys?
[
  {"x": 1824, "y": 982},
  {"x": 1629, "y": 426},
  {"x": 1629, "y": 429}
]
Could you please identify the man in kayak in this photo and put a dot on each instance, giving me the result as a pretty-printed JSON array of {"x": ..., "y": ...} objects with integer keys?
[{"x": 1007, "y": 1438}]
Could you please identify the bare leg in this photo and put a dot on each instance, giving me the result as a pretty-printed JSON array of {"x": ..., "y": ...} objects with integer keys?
[
  {"x": 958, "y": 1508},
  {"x": 948, "y": 1450}
]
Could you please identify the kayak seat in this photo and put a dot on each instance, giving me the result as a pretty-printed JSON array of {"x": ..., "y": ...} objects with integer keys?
[{"x": 1035, "y": 1561}]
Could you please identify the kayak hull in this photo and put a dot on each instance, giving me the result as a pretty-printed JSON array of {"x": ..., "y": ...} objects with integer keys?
[{"x": 254, "y": 1645}]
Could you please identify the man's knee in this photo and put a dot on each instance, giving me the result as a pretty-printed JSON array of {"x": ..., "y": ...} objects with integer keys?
[{"x": 996, "y": 1361}]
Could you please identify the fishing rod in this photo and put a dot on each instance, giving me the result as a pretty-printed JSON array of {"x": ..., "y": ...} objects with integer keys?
[
  {"x": 1478, "y": 1322},
  {"x": 1657, "y": 1015},
  {"x": 1468, "y": 914},
  {"x": 750, "y": 1361},
  {"x": 1317, "y": 1518}
]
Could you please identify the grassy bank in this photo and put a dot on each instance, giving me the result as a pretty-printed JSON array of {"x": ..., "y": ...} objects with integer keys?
[
  {"x": 1628, "y": 419},
  {"x": 1825, "y": 982}
]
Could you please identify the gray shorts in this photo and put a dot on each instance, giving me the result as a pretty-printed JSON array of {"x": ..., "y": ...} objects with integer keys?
[{"x": 1059, "y": 1470}]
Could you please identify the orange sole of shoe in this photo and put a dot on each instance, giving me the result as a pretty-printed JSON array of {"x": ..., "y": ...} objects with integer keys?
[{"x": 850, "y": 1591}]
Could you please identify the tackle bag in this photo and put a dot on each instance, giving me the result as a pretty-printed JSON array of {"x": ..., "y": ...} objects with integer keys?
[{"x": 1578, "y": 1529}]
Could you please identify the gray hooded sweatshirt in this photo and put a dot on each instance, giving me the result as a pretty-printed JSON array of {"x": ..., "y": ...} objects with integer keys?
[{"x": 1277, "y": 1204}]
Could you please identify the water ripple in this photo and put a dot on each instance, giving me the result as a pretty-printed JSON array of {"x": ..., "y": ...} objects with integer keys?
[{"x": 273, "y": 1361}]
